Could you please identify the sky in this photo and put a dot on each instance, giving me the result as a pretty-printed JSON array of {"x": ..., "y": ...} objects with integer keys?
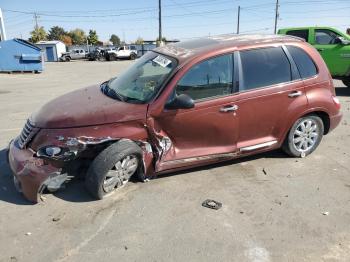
[{"x": 181, "y": 19}]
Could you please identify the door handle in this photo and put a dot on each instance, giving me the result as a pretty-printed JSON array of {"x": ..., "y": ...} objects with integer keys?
[
  {"x": 228, "y": 108},
  {"x": 295, "y": 94}
]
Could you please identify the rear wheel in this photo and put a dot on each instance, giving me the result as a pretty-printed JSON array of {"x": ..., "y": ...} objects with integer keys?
[
  {"x": 346, "y": 82},
  {"x": 133, "y": 56},
  {"x": 112, "y": 168},
  {"x": 304, "y": 136},
  {"x": 67, "y": 59}
]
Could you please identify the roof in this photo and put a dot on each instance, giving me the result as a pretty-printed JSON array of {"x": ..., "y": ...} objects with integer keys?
[
  {"x": 24, "y": 42},
  {"x": 53, "y": 42},
  {"x": 192, "y": 48}
]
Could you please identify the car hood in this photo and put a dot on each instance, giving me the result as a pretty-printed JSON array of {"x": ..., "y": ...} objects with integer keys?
[{"x": 86, "y": 107}]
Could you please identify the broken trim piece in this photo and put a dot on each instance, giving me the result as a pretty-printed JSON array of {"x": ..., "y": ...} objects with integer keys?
[{"x": 258, "y": 146}]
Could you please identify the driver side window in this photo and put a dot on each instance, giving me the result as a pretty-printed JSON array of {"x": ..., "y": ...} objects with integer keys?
[
  {"x": 211, "y": 78},
  {"x": 325, "y": 37}
]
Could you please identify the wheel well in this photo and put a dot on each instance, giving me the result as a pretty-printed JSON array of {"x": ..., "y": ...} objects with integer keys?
[{"x": 325, "y": 119}]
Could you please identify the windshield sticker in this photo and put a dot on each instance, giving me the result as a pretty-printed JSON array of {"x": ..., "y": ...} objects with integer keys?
[{"x": 162, "y": 61}]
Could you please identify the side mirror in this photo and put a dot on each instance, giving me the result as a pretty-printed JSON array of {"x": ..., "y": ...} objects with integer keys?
[
  {"x": 342, "y": 40},
  {"x": 180, "y": 102}
]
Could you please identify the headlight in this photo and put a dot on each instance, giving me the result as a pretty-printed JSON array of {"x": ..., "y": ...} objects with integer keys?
[
  {"x": 56, "y": 153},
  {"x": 53, "y": 150}
]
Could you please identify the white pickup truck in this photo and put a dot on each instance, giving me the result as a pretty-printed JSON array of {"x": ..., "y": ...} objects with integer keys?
[
  {"x": 129, "y": 52},
  {"x": 73, "y": 55}
]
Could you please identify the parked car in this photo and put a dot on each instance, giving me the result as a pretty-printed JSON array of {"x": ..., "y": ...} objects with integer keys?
[
  {"x": 97, "y": 54},
  {"x": 122, "y": 52},
  {"x": 179, "y": 106},
  {"x": 74, "y": 55},
  {"x": 333, "y": 45}
]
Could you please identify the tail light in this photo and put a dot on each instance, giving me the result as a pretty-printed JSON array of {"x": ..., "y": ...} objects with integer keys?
[{"x": 336, "y": 102}]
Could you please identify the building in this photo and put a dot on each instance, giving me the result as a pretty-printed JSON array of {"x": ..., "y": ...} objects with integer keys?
[
  {"x": 52, "y": 50},
  {"x": 18, "y": 55}
]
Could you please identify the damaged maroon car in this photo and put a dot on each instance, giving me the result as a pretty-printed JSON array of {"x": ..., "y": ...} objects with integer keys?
[{"x": 183, "y": 105}]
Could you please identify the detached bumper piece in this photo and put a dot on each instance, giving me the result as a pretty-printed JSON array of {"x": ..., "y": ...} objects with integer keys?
[{"x": 32, "y": 174}]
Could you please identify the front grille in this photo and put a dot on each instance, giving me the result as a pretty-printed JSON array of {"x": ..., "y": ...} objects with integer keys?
[{"x": 27, "y": 134}]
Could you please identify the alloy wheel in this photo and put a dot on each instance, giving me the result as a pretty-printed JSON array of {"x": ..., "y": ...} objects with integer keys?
[
  {"x": 120, "y": 173},
  {"x": 305, "y": 135}
]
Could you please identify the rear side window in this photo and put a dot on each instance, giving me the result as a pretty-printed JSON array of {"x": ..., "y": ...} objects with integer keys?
[
  {"x": 305, "y": 64},
  {"x": 264, "y": 67},
  {"x": 304, "y": 34},
  {"x": 211, "y": 78}
]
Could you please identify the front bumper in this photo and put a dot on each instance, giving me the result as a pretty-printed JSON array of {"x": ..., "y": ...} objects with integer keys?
[{"x": 32, "y": 172}]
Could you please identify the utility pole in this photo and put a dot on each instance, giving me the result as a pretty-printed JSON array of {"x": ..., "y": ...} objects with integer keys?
[
  {"x": 276, "y": 16},
  {"x": 36, "y": 21},
  {"x": 2, "y": 27},
  {"x": 238, "y": 17},
  {"x": 160, "y": 22}
]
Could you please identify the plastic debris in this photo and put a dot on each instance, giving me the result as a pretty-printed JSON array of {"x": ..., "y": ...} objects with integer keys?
[
  {"x": 209, "y": 203},
  {"x": 325, "y": 213},
  {"x": 28, "y": 233}
]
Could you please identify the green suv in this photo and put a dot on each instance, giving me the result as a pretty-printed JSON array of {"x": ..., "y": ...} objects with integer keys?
[{"x": 333, "y": 45}]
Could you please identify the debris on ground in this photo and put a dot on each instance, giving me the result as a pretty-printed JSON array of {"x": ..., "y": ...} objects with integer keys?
[
  {"x": 325, "y": 213},
  {"x": 13, "y": 259},
  {"x": 209, "y": 203},
  {"x": 42, "y": 198},
  {"x": 278, "y": 202},
  {"x": 264, "y": 171},
  {"x": 28, "y": 233},
  {"x": 56, "y": 219}
]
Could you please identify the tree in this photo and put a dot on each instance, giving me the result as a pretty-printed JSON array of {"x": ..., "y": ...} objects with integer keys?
[
  {"x": 93, "y": 37},
  {"x": 56, "y": 33},
  {"x": 66, "y": 39},
  {"x": 115, "y": 39},
  {"x": 38, "y": 34},
  {"x": 139, "y": 41},
  {"x": 78, "y": 36}
]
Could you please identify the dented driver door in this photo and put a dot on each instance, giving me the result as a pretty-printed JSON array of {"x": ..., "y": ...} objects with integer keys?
[{"x": 203, "y": 134}]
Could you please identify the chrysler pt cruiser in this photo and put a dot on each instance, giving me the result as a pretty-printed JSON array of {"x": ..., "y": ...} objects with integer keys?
[{"x": 183, "y": 105}]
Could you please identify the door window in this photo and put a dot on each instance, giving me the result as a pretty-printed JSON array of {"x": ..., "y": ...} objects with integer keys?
[
  {"x": 305, "y": 64},
  {"x": 264, "y": 67},
  {"x": 211, "y": 78},
  {"x": 304, "y": 34},
  {"x": 325, "y": 37}
]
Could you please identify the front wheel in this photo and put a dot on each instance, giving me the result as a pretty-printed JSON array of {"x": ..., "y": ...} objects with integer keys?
[
  {"x": 346, "y": 82},
  {"x": 304, "y": 136},
  {"x": 112, "y": 168},
  {"x": 133, "y": 56}
]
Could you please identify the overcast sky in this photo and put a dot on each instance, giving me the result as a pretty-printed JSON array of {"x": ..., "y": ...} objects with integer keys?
[{"x": 182, "y": 19}]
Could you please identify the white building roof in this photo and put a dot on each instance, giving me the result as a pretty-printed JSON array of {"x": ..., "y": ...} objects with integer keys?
[{"x": 54, "y": 42}]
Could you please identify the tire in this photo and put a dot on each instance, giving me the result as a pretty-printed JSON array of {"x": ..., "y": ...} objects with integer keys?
[
  {"x": 346, "y": 82},
  {"x": 310, "y": 137},
  {"x": 132, "y": 56},
  {"x": 103, "y": 176},
  {"x": 67, "y": 59}
]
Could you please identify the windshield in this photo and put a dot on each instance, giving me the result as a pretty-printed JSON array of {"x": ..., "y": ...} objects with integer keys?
[{"x": 141, "y": 82}]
